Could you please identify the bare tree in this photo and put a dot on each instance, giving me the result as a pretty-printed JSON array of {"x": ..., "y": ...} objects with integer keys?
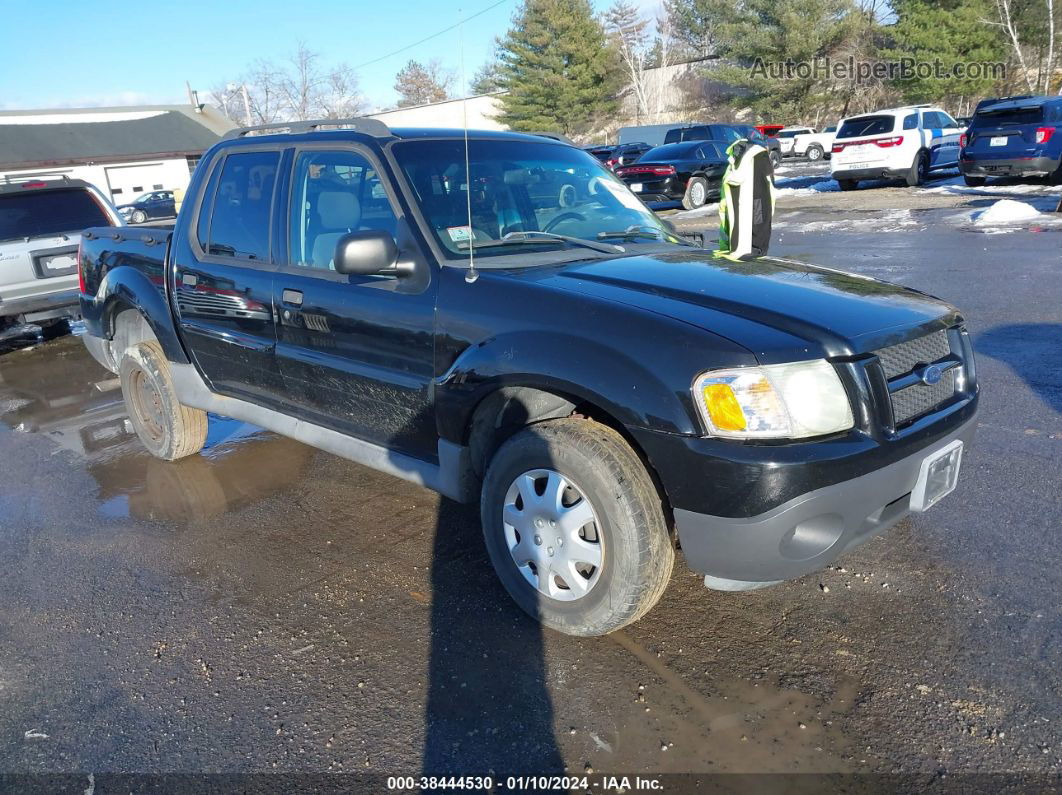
[
  {"x": 1007, "y": 23},
  {"x": 646, "y": 60},
  {"x": 296, "y": 90}
]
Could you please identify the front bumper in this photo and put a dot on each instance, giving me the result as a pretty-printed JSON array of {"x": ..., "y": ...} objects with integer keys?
[
  {"x": 1016, "y": 167},
  {"x": 64, "y": 303},
  {"x": 805, "y": 533}
]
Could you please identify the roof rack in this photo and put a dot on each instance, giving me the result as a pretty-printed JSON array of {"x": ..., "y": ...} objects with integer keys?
[{"x": 373, "y": 127}]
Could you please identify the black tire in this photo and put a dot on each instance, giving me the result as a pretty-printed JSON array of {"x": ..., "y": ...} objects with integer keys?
[
  {"x": 848, "y": 184},
  {"x": 52, "y": 329},
  {"x": 636, "y": 551},
  {"x": 567, "y": 196},
  {"x": 168, "y": 429},
  {"x": 776, "y": 158},
  {"x": 916, "y": 174},
  {"x": 1055, "y": 177},
  {"x": 973, "y": 182},
  {"x": 138, "y": 217},
  {"x": 814, "y": 152},
  {"x": 694, "y": 198}
]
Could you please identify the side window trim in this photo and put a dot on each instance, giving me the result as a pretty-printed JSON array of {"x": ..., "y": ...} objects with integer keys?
[{"x": 216, "y": 164}]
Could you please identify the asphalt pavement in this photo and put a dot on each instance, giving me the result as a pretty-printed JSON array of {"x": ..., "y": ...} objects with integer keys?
[{"x": 266, "y": 607}]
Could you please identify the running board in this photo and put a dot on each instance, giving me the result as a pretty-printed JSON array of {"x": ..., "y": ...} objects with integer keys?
[{"x": 452, "y": 476}]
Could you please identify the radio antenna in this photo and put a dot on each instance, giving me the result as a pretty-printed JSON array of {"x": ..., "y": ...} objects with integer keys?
[{"x": 471, "y": 276}]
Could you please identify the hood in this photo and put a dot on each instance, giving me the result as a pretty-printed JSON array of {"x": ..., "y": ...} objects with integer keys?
[{"x": 781, "y": 310}]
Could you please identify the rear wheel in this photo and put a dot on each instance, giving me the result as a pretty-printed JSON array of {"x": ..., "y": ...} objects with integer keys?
[
  {"x": 575, "y": 528},
  {"x": 696, "y": 194},
  {"x": 1055, "y": 177},
  {"x": 916, "y": 175},
  {"x": 168, "y": 429},
  {"x": 814, "y": 152},
  {"x": 776, "y": 158},
  {"x": 848, "y": 184},
  {"x": 973, "y": 182}
]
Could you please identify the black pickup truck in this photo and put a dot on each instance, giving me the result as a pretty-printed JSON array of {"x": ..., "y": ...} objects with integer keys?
[{"x": 426, "y": 305}]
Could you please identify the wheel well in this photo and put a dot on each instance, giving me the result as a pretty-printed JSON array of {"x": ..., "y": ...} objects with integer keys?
[
  {"x": 509, "y": 410},
  {"x": 128, "y": 327}
]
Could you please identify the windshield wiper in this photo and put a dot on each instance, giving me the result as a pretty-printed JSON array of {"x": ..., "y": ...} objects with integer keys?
[
  {"x": 521, "y": 238},
  {"x": 641, "y": 232}
]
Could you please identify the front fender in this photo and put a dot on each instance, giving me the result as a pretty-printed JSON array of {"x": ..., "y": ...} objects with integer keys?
[
  {"x": 573, "y": 366},
  {"x": 124, "y": 287}
]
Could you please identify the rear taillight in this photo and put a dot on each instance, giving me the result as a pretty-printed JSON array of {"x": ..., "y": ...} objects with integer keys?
[
  {"x": 35, "y": 184},
  {"x": 660, "y": 171},
  {"x": 1043, "y": 134},
  {"x": 887, "y": 142},
  {"x": 838, "y": 148},
  {"x": 612, "y": 162},
  {"x": 962, "y": 140},
  {"x": 80, "y": 270}
]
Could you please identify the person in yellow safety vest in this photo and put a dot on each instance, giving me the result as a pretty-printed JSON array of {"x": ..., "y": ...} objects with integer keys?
[{"x": 746, "y": 208}]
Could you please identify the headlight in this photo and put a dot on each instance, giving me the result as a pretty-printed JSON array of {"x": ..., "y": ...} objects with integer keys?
[{"x": 776, "y": 401}]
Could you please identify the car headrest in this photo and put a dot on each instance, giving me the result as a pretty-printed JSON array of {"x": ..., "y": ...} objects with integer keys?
[{"x": 338, "y": 209}]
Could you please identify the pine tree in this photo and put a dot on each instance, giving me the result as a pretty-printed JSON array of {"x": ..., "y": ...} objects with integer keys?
[
  {"x": 421, "y": 84},
  {"x": 556, "y": 68}
]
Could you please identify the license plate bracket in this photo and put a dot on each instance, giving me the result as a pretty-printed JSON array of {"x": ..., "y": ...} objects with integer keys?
[{"x": 937, "y": 476}]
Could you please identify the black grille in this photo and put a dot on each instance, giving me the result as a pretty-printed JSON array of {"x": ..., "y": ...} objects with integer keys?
[{"x": 901, "y": 360}]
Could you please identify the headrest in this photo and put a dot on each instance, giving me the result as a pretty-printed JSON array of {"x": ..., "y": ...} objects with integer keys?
[{"x": 338, "y": 209}]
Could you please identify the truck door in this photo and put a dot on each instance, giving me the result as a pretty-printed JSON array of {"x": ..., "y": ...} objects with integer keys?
[
  {"x": 356, "y": 352},
  {"x": 224, "y": 278}
]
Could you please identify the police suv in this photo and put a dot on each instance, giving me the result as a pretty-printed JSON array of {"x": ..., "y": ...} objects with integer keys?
[{"x": 905, "y": 143}]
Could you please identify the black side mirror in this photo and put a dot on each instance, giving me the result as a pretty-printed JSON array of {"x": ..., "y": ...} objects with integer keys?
[{"x": 365, "y": 253}]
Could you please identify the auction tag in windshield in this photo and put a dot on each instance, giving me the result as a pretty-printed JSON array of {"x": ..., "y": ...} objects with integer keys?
[
  {"x": 459, "y": 234},
  {"x": 621, "y": 192}
]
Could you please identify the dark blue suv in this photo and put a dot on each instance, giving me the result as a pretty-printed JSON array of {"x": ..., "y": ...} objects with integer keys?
[{"x": 1013, "y": 137}]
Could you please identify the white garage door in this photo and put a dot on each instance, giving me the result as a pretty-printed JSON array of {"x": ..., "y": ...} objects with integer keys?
[{"x": 128, "y": 182}]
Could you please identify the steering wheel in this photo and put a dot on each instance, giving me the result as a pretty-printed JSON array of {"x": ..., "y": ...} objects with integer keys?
[{"x": 563, "y": 217}]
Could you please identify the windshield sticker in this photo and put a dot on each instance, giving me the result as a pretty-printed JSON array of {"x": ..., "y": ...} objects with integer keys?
[{"x": 459, "y": 234}]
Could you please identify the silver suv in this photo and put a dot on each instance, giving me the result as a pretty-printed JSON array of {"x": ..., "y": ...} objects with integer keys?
[{"x": 41, "y": 218}]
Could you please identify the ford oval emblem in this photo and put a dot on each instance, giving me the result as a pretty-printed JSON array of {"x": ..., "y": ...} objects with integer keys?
[{"x": 931, "y": 374}]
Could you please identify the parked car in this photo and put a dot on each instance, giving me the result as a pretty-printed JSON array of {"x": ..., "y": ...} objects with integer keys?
[
  {"x": 770, "y": 130},
  {"x": 1014, "y": 138},
  {"x": 41, "y": 218},
  {"x": 690, "y": 172},
  {"x": 727, "y": 134},
  {"x": 787, "y": 136},
  {"x": 625, "y": 154},
  {"x": 814, "y": 145},
  {"x": 157, "y": 204},
  {"x": 907, "y": 142},
  {"x": 590, "y": 380},
  {"x": 602, "y": 153}
]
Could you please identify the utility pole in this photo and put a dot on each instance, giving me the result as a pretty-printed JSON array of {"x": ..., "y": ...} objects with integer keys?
[{"x": 247, "y": 104}]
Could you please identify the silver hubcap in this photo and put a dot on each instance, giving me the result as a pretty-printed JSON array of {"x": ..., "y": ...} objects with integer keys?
[
  {"x": 567, "y": 195},
  {"x": 697, "y": 193},
  {"x": 551, "y": 530}
]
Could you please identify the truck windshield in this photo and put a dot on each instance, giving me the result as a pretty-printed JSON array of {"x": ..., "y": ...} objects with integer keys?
[
  {"x": 519, "y": 187},
  {"x": 49, "y": 212}
]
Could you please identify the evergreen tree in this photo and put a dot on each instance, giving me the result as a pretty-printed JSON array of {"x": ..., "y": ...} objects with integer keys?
[
  {"x": 421, "y": 84},
  {"x": 556, "y": 68},
  {"x": 952, "y": 32}
]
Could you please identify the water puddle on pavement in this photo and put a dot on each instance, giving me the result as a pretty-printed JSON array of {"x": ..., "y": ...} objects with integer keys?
[{"x": 58, "y": 391}]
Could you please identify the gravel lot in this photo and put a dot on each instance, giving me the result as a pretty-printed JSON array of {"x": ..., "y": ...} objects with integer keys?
[{"x": 269, "y": 607}]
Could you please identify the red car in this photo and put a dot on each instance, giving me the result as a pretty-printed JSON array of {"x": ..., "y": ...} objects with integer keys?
[{"x": 770, "y": 130}]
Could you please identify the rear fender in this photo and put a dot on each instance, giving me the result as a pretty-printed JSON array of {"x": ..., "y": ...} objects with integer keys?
[{"x": 127, "y": 288}]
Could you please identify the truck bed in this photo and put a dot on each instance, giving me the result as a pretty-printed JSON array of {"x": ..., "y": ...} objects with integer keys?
[{"x": 144, "y": 248}]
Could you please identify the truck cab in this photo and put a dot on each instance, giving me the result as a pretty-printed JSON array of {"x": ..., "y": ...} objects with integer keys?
[{"x": 604, "y": 390}]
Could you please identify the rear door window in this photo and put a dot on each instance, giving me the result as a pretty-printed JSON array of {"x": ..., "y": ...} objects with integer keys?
[
  {"x": 49, "y": 212},
  {"x": 866, "y": 125},
  {"x": 239, "y": 215}
]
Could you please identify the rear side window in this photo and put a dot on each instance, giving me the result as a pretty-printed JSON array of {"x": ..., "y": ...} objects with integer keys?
[
  {"x": 48, "y": 212},
  {"x": 1009, "y": 116},
  {"x": 239, "y": 214},
  {"x": 866, "y": 125},
  {"x": 910, "y": 122}
]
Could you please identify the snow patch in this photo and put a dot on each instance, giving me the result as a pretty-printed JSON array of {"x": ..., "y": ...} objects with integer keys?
[
  {"x": 1006, "y": 211},
  {"x": 822, "y": 186}
]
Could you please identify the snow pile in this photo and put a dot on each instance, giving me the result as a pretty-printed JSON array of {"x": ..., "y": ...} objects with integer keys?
[
  {"x": 1006, "y": 211},
  {"x": 823, "y": 186}
]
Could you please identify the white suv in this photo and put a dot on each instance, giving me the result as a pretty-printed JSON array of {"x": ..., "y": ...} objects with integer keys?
[
  {"x": 787, "y": 138},
  {"x": 904, "y": 142}
]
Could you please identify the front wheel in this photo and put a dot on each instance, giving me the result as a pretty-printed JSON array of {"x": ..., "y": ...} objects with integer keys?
[
  {"x": 575, "y": 528},
  {"x": 139, "y": 216},
  {"x": 776, "y": 158},
  {"x": 814, "y": 152},
  {"x": 168, "y": 429},
  {"x": 696, "y": 194}
]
